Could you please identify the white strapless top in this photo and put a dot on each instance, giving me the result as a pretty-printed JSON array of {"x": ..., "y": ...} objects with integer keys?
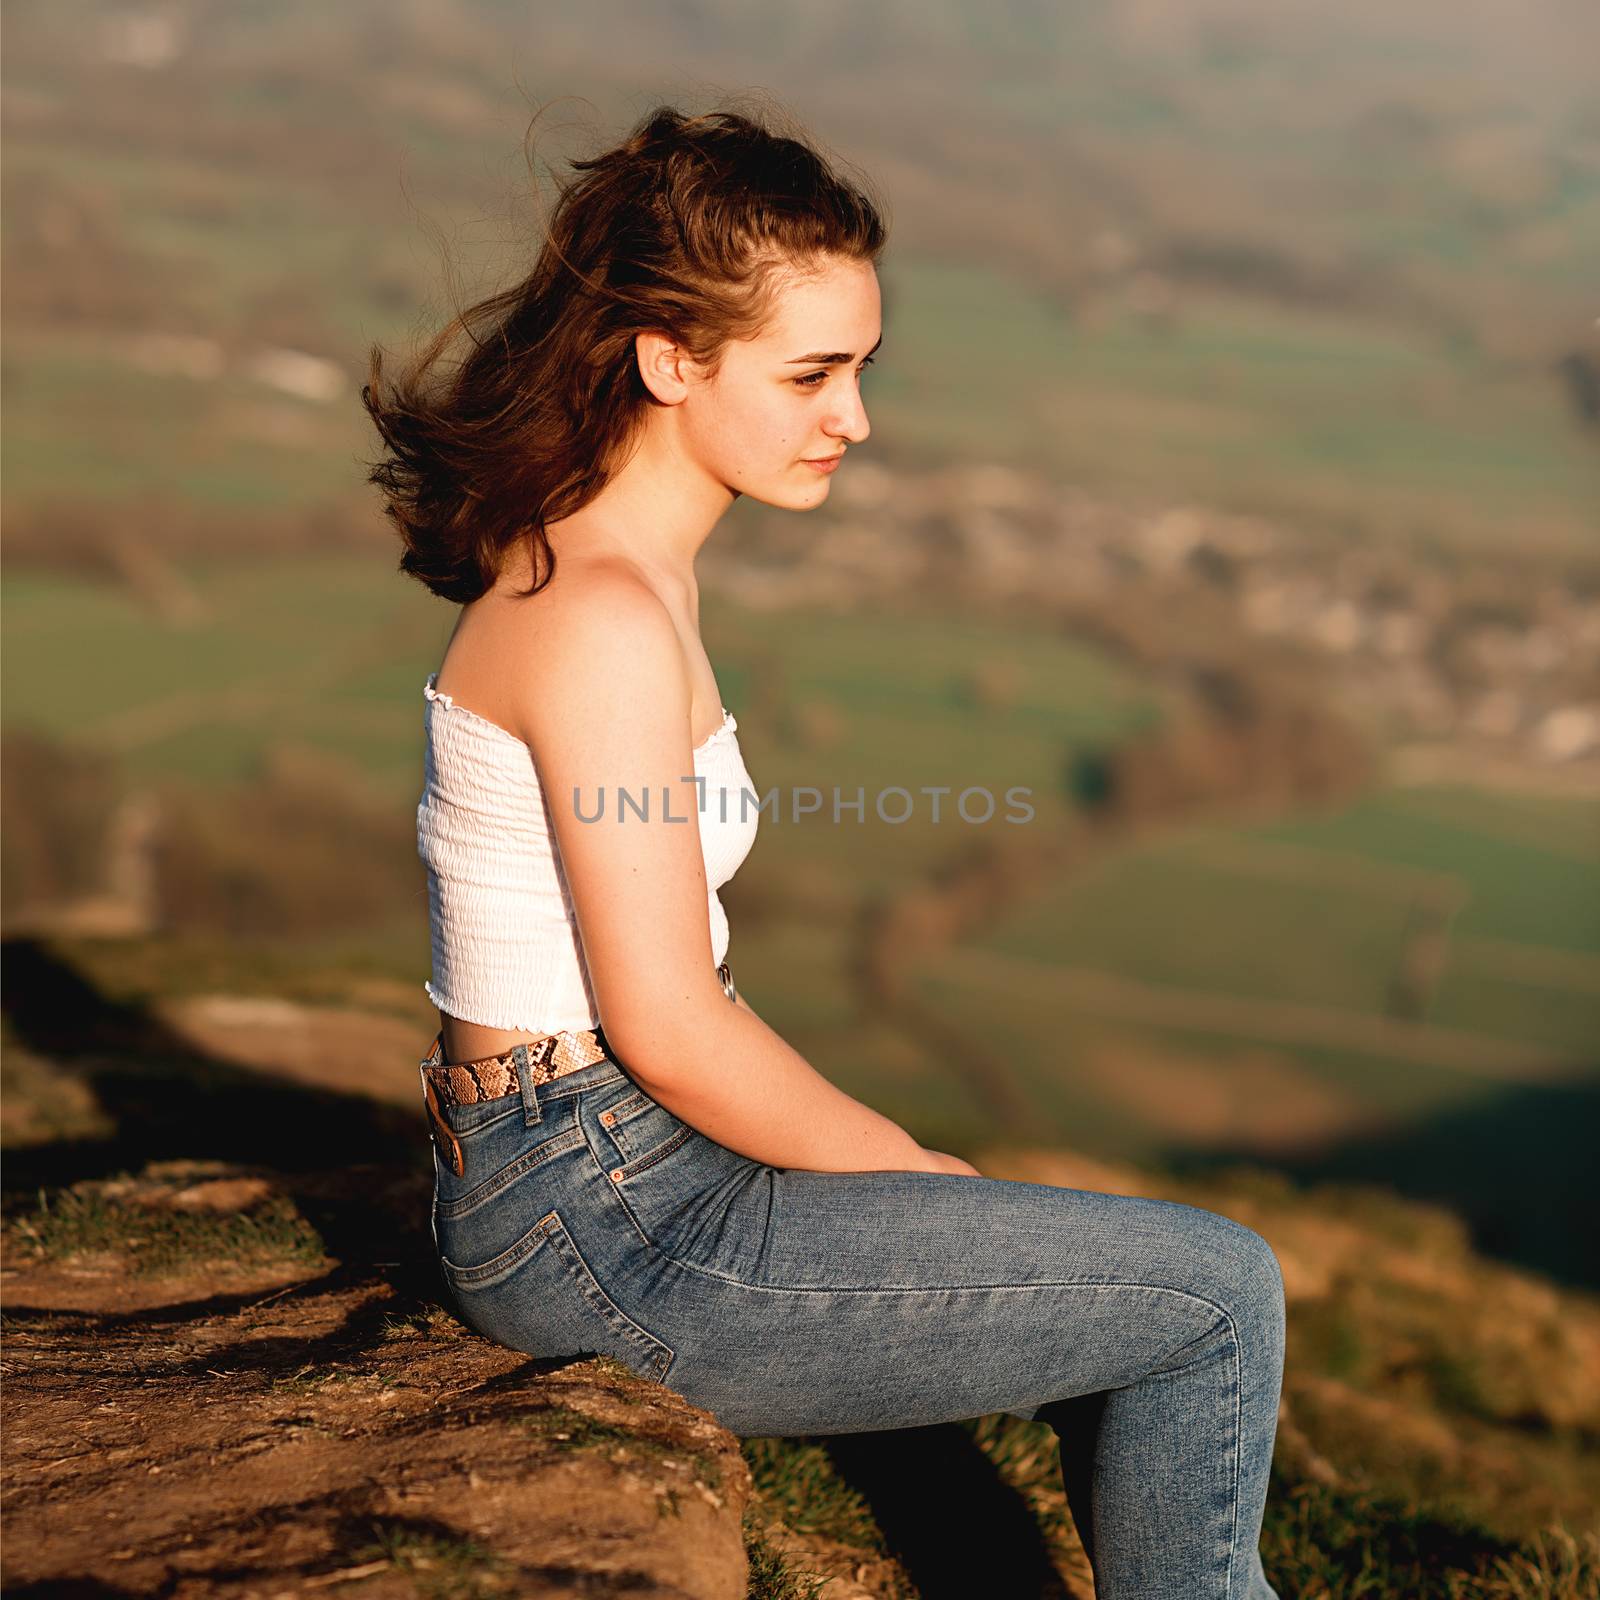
[{"x": 506, "y": 950}]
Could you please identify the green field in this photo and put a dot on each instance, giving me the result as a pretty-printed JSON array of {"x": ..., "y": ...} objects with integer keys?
[
  {"x": 1287, "y": 936},
  {"x": 1334, "y": 421},
  {"x": 1276, "y": 947},
  {"x": 313, "y": 653},
  {"x": 332, "y": 653},
  {"x": 1369, "y": 233},
  {"x": 1319, "y": 415}
]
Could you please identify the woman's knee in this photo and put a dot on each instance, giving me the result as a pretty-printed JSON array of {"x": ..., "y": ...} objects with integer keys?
[
  {"x": 1258, "y": 1300},
  {"x": 1243, "y": 1273}
]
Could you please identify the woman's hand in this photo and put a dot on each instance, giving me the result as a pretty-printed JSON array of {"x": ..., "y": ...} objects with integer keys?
[{"x": 938, "y": 1161}]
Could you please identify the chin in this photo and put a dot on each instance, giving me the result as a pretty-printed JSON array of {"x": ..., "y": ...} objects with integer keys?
[{"x": 787, "y": 497}]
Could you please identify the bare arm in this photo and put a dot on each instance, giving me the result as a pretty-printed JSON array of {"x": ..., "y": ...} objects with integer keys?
[
  {"x": 927, "y": 1160},
  {"x": 749, "y": 1090},
  {"x": 605, "y": 708}
]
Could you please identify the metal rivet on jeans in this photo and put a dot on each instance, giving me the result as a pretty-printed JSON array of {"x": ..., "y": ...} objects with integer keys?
[
  {"x": 608, "y": 1117},
  {"x": 616, "y": 1174}
]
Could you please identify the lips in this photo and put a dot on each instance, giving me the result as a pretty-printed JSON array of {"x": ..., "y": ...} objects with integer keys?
[{"x": 817, "y": 461}]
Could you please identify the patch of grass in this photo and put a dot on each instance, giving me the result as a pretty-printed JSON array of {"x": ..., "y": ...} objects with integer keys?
[
  {"x": 1328, "y": 1337},
  {"x": 802, "y": 1485},
  {"x": 313, "y": 1379},
  {"x": 1555, "y": 1564},
  {"x": 771, "y": 1577},
  {"x": 609, "y": 1367},
  {"x": 567, "y": 1428},
  {"x": 425, "y": 1322},
  {"x": 562, "y": 1427},
  {"x": 1353, "y": 1543},
  {"x": 83, "y": 1221},
  {"x": 442, "y": 1566}
]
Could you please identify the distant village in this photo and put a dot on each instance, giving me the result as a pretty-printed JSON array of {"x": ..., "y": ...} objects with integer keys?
[{"x": 1493, "y": 656}]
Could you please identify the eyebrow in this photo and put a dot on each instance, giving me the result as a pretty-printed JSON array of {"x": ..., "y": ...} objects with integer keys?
[{"x": 828, "y": 358}]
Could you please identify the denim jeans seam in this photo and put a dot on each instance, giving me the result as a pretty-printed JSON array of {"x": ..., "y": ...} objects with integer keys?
[
  {"x": 1238, "y": 1426},
  {"x": 510, "y": 1174},
  {"x": 470, "y": 1280},
  {"x": 473, "y": 1129},
  {"x": 673, "y": 1141},
  {"x": 1063, "y": 1283},
  {"x": 637, "y": 1101},
  {"x": 935, "y": 1288},
  {"x": 594, "y": 1291},
  {"x": 1238, "y": 1454},
  {"x": 551, "y": 1231}
]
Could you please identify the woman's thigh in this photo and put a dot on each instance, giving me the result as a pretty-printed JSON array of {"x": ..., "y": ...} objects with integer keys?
[
  {"x": 790, "y": 1301},
  {"x": 900, "y": 1299}
]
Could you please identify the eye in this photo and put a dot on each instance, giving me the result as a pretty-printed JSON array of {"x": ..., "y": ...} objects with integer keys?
[{"x": 815, "y": 380}]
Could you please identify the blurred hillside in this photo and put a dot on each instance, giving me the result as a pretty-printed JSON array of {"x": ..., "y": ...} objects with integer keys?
[
  {"x": 1328, "y": 264},
  {"x": 1285, "y": 893}
]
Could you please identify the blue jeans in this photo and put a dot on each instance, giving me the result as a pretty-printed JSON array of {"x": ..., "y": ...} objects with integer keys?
[{"x": 591, "y": 1219}]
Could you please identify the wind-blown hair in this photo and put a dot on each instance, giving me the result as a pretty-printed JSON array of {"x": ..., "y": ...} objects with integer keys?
[{"x": 683, "y": 228}]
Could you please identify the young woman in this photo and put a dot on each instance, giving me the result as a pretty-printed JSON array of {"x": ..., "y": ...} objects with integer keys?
[{"x": 626, "y": 1162}]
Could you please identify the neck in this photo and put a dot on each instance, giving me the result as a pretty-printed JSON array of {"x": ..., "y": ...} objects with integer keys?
[{"x": 656, "y": 511}]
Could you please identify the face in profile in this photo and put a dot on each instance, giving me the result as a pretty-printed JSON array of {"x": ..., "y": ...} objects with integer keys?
[{"x": 790, "y": 396}]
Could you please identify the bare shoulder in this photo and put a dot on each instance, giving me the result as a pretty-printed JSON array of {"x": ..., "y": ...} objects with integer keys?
[
  {"x": 601, "y": 596},
  {"x": 601, "y": 643}
]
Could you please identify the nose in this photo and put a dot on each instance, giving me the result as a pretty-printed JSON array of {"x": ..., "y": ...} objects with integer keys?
[{"x": 850, "y": 421}]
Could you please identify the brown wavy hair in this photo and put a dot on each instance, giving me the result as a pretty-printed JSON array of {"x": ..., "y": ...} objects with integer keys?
[{"x": 681, "y": 228}]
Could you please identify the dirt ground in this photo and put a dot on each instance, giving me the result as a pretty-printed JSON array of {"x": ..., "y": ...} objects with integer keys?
[
  {"x": 270, "y": 1433},
  {"x": 238, "y": 1376},
  {"x": 189, "y": 1428}
]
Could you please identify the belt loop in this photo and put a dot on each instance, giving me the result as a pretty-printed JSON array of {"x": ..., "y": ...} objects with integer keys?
[{"x": 532, "y": 1114}]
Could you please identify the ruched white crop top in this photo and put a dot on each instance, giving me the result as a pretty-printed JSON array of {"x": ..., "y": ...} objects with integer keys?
[{"x": 506, "y": 950}]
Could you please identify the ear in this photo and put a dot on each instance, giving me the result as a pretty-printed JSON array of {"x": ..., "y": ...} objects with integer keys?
[{"x": 665, "y": 367}]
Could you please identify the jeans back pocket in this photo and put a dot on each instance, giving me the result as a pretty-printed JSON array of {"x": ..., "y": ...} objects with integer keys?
[{"x": 541, "y": 1296}]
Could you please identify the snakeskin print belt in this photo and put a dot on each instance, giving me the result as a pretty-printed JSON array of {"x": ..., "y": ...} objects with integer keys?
[{"x": 468, "y": 1083}]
